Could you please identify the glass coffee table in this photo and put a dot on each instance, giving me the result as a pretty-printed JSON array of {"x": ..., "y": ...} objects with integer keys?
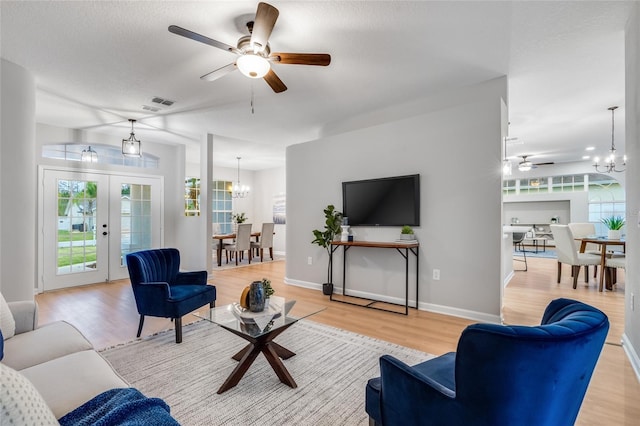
[{"x": 259, "y": 329}]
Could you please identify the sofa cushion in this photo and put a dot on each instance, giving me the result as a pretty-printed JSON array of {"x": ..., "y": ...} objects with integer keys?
[
  {"x": 20, "y": 402},
  {"x": 67, "y": 382},
  {"x": 45, "y": 343},
  {"x": 7, "y": 323}
]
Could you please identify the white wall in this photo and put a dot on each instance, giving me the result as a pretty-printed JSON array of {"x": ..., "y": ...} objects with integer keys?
[
  {"x": 539, "y": 208},
  {"x": 17, "y": 183},
  {"x": 457, "y": 151},
  {"x": 631, "y": 338}
]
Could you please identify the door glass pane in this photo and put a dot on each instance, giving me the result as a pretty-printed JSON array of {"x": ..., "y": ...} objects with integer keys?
[
  {"x": 135, "y": 219},
  {"x": 76, "y": 238}
]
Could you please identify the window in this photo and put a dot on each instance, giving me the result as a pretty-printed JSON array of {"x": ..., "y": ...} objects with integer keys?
[
  {"x": 192, "y": 197},
  {"x": 222, "y": 207},
  {"x": 107, "y": 154}
]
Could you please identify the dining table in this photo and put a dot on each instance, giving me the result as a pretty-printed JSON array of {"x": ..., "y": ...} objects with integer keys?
[
  {"x": 232, "y": 236},
  {"x": 603, "y": 243}
]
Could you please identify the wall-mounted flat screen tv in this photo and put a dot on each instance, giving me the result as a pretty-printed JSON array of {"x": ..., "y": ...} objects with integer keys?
[{"x": 392, "y": 201}]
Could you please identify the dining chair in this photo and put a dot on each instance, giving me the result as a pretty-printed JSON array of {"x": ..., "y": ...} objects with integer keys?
[
  {"x": 518, "y": 238},
  {"x": 611, "y": 269},
  {"x": 266, "y": 240},
  {"x": 241, "y": 244},
  {"x": 567, "y": 252}
]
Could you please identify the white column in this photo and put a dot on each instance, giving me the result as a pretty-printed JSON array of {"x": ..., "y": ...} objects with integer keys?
[{"x": 18, "y": 188}]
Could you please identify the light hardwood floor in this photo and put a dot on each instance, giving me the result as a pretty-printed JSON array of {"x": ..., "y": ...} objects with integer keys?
[{"x": 106, "y": 314}]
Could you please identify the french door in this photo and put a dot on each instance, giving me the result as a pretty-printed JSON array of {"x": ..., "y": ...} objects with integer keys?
[{"x": 90, "y": 221}]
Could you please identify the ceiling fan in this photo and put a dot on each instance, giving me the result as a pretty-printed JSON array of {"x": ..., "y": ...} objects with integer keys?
[
  {"x": 526, "y": 165},
  {"x": 254, "y": 52}
]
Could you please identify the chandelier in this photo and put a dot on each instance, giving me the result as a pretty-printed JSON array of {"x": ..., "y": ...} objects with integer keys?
[
  {"x": 89, "y": 155},
  {"x": 239, "y": 191},
  {"x": 610, "y": 162},
  {"x": 131, "y": 147}
]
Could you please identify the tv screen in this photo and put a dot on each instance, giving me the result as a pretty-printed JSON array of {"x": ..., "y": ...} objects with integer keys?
[{"x": 392, "y": 201}]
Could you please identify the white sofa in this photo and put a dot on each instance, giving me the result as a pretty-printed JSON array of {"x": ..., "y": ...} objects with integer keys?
[{"x": 58, "y": 360}]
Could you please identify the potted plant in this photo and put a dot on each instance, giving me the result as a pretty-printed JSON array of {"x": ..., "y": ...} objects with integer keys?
[
  {"x": 268, "y": 291},
  {"x": 406, "y": 233},
  {"x": 614, "y": 224},
  {"x": 237, "y": 218},
  {"x": 333, "y": 220}
]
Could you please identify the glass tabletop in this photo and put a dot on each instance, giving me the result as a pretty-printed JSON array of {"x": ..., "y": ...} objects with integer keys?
[{"x": 280, "y": 312}]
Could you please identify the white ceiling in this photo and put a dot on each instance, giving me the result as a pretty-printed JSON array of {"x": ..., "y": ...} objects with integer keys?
[{"x": 96, "y": 63}]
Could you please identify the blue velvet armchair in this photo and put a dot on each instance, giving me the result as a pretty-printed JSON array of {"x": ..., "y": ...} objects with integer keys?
[
  {"x": 161, "y": 290},
  {"x": 499, "y": 375}
]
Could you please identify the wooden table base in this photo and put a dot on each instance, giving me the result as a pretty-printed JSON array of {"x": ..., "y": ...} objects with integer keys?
[{"x": 272, "y": 352}]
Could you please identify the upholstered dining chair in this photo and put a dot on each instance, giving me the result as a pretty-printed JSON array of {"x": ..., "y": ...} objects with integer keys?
[
  {"x": 266, "y": 240},
  {"x": 160, "y": 290},
  {"x": 611, "y": 272},
  {"x": 567, "y": 252},
  {"x": 242, "y": 242},
  {"x": 499, "y": 375}
]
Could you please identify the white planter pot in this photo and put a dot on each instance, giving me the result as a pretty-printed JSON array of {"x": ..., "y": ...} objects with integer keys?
[
  {"x": 407, "y": 236},
  {"x": 614, "y": 234}
]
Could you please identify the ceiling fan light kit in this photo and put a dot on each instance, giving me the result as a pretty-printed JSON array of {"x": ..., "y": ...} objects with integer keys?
[
  {"x": 254, "y": 53},
  {"x": 253, "y": 65},
  {"x": 610, "y": 161},
  {"x": 525, "y": 165}
]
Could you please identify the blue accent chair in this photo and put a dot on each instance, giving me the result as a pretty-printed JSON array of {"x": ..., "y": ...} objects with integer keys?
[
  {"x": 161, "y": 290},
  {"x": 500, "y": 375}
]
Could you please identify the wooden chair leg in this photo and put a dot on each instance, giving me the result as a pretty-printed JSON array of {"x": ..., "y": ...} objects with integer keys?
[
  {"x": 271, "y": 252},
  {"x": 576, "y": 272},
  {"x": 140, "y": 325},
  {"x": 261, "y": 254},
  {"x": 179, "y": 330},
  {"x": 559, "y": 271},
  {"x": 237, "y": 253},
  {"x": 586, "y": 273}
]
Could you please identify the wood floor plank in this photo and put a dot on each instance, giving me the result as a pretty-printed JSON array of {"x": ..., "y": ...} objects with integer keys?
[{"x": 106, "y": 314}]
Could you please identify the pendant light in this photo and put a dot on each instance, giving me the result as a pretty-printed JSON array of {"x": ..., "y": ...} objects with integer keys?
[
  {"x": 89, "y": 155},
  {"x": 506, "y": 163},
  {"x": 238, "y": 190},
  {"x": 131, "y": 147},
  {"x": 610, "y": 162}
]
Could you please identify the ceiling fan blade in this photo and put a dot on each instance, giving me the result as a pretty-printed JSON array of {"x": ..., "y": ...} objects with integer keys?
[
  {"x": 548, "y": 163},
  {"x": 274, "y": 81},
  {"x": 202, "y": 39},
  {"x": 220, "y": 72},
  {"x": 321, "y": 59},
  {"x": 266, "y": 17}
]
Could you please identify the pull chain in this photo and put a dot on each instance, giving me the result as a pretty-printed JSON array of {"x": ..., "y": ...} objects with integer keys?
[{"x": 252, "y": 111}]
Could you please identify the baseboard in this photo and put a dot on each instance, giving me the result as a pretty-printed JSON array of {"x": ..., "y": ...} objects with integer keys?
[
  {"x": 634, "y": 359},
  {"x": 508, "y": 278},
  {"x": 429, "y": 307}
]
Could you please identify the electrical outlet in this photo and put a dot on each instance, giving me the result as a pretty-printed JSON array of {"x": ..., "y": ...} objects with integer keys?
[
  {"x": 309, "y": 260},
  {"x": 436, "y": 274}
]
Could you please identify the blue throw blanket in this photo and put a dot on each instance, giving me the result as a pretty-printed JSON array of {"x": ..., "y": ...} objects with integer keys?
[{"x": 123, "y": 406}]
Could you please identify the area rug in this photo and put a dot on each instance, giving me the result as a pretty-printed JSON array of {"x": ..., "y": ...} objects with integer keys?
[
  {"x": 547, "y": 254},
  {"x": 331, "y": 368}
]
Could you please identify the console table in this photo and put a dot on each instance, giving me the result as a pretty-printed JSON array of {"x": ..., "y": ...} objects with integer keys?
[{"x": 403, "y": 248}]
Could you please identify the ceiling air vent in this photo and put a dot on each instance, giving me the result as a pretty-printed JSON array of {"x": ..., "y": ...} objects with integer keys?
[
  {"x": 162, "y": 101},
  {"x": 149, "y": 108}
]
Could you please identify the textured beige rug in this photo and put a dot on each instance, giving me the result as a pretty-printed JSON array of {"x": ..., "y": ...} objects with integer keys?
[{"x": 331, "y": 368}]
